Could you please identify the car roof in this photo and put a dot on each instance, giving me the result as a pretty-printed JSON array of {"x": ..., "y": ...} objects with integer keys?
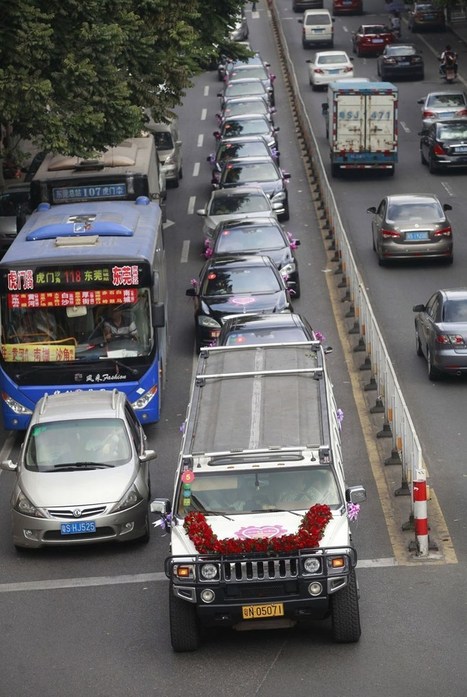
[
  {"x": 411, "y": 198},
  {"x": 243, "y": 139},
  {"x": 260, "y": 159},
  {"x": 85, "y": 404},
  {"x": 246, "y": 117},
  {"x": 279, "y": 319},
  {"x": 238, "y": 190},
  {"x": 240, "y": 260},
  {"x": 247, "y": 222}
]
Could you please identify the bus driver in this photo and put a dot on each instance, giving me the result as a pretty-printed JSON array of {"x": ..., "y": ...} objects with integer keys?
[{"x": 119, "y": 326}]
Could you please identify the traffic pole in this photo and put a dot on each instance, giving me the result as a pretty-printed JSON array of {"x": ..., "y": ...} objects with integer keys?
[{"x": 420, "y": 512}]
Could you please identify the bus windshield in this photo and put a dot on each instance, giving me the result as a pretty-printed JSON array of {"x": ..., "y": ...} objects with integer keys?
[{"x": 81, "y": 333}]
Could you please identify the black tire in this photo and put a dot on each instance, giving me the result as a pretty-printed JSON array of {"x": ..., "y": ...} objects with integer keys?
[
  {"x": 390, "y": 171},
  {"x": 418, "y": 345},
  {"x": 345, "y": 614},
  {"x": 433, "y": 374},
  {"x": 296, "y": 289},
  {"x": 423, "y": 158},
  {"x": 180, "y": 173},
  {"x": 144, "y": 539},
  {"x": 286, "y": 214},
  {"x": 432, "y": 168},
  {"x": 185, "y": 632},
  {"x": 335, "y": 170}
]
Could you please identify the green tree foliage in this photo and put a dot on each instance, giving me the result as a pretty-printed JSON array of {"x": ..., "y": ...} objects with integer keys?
[{"x": 75, "y": 74}]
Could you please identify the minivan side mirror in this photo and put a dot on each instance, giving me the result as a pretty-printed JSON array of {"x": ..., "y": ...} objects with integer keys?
[{"x": 371, "y": 210}]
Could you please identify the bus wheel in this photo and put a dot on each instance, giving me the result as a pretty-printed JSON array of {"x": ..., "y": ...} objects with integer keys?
[{"x": 185, "y": 632}]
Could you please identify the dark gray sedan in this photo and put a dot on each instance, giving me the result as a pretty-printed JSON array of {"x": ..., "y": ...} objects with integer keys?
[
  {"x": 441, "y": 332},
  {"x": 443, "y": 145},
  {"x": 399, "y": 60},
  {"x": 411, "y": 226}
]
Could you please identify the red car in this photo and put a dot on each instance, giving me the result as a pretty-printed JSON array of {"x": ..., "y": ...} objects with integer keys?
[
  {"x": 370, "y": 39},
  {"x": 342, "y": 7}
]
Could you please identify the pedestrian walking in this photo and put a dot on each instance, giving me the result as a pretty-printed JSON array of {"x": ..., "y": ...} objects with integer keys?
[{"x": 253, "y": 5}]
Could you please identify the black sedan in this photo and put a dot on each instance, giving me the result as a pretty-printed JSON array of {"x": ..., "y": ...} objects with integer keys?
[
  {"x": 443, "y": 145},
  {"x": 232, "y": 286},
  {"x": 258, "y": 236},
  {"x": 262, "y": 172},
  {"x": 248, "y": 125},
  {"x": 266, "y": 329},
  {"x": 411, "y": 226},
  {"x": 232, "y": 148},
  {"x": 441, "y": 332},
  {"x": 398, "y": 61}
]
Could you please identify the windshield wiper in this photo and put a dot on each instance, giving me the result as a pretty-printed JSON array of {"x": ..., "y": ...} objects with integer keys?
[
  {"x": 201, "y": 508},
  {"x": 276, "y": 510},
  {"x": 70, "y": 466}
]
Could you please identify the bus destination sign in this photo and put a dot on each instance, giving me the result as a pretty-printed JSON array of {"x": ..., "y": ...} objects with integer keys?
[
  {"x": 102, "y": 276},
  {"x": 90, "y": 192}
]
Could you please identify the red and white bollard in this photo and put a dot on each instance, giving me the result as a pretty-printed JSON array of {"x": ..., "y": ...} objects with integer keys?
[{"x": 420, "y": 512}]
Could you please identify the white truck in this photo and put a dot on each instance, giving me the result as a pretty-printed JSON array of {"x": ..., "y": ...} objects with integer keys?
[
  {"x": 259, "y": 469},
  {"x": 361, "y": 125}
]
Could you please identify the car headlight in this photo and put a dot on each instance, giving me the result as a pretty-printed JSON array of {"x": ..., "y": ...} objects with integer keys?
[
  {"x": 23, "y": 505},
  {"x": 311, "y": 565},
  {"x": 130, "y": 499},
  {"x": 205, "y": 321},
  {"x": 288, "y": 269},
  {"x": 209, "y": 572},
  {"x": 278, "y": 197}
]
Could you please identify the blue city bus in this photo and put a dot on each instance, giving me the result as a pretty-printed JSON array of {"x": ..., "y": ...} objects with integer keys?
[{"x": 83, "y": 297}]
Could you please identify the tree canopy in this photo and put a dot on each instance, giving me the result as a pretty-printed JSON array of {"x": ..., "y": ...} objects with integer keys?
[{"x": 75, "y": 75}]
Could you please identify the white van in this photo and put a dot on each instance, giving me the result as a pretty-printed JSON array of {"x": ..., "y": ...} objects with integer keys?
[
  {"x": 318, "y": 28},
  {"x": 169, "y": 149}
]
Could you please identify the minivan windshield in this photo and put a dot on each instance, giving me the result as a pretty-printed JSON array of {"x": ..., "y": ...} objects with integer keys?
[{"x": 76, "y": 442}]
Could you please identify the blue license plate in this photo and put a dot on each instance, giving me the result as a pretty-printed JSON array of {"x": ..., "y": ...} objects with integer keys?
[
  {"x": 78, "y": 527},
  {"x": 333, "y": 72},
  {"x": 417, "y": 236},
  {"x": 461, "y": 148},
  {"x": 378, "y": 41}
]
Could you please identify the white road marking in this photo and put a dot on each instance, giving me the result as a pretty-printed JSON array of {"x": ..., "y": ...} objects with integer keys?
[
  {"x": 404, "y": 126},
  {"x": 196, "y": 169},
  {"x": 447, "y": 188},
  {"x": 185, "y": 251},
  {"x": 168, "y": 223},
  {"x": 191, "y": 205},
  {"x": 200, "y": 140},
  {"x": 206, "y": 91},
  {"x": 204, "y": 113}
]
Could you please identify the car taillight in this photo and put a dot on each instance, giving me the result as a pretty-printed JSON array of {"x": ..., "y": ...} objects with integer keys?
[
  {"x": 348, "y": 69},
  {"x": 390, "y": 233},
  {"x": 390, "y": 61},
  {"x": 461, "y": 114},
  {"x": 444, "y": 232},
  {"x": 439, "y": 150},
  {"x": 428, "y": 115},
  {"x": 318, "y": 70},
  {"x": 450, "y": 339}
]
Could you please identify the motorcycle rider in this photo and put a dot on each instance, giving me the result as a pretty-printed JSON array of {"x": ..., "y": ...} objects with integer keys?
[{"x": 448, "y": 58}]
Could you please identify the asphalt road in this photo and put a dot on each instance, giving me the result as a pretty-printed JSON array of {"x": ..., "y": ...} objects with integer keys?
[{"x": 94, "y": 621}]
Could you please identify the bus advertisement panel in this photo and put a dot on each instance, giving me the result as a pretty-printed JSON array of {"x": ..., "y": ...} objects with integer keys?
[{"x": 83, "y": 297}]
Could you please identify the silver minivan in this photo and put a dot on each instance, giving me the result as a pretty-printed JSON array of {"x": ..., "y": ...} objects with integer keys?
[
  {"x": 318, "y": 28},
  {"x": 83, "y": 472},
  {"x": 169, "y": 148}
]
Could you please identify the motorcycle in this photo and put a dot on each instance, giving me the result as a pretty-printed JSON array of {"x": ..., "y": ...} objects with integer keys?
[{"x": 448, "y": 71}]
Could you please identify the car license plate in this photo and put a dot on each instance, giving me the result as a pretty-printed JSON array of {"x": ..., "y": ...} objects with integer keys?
[
  {"x": 318, "y": 31},
  {"x": 333, "y": 72},
  {"x": 78, "y": 527},
  {"x": 461, "y": 148},
  {"x": 417, "y": 236},
  {"x": 258, "y": 612}
]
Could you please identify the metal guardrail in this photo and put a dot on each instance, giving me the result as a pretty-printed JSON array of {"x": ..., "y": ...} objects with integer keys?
[{"x": 398, "y": 424}]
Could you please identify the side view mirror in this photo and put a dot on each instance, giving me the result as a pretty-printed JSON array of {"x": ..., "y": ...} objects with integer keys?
[
  {"x": 148, "y": 455},
  {"x": 447, "y": 207},
  {"x": 355, "y": 494},
  {"x": 201, "y": 211},
  {"x": 191, "y": 292},
  {"x": 418, "y": 308},
  {"x": 8, "y": 466},
  {"x": 300, "y": 21},
  {"x": 371, "y": 210},
  {"x": 421, "y": 101},
  {"x": 158, "y": 314},
  {"x": 161, "y": 506}
]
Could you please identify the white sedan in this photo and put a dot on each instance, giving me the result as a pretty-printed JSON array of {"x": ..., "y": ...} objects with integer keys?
[{"x": 328, "y": 66}]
